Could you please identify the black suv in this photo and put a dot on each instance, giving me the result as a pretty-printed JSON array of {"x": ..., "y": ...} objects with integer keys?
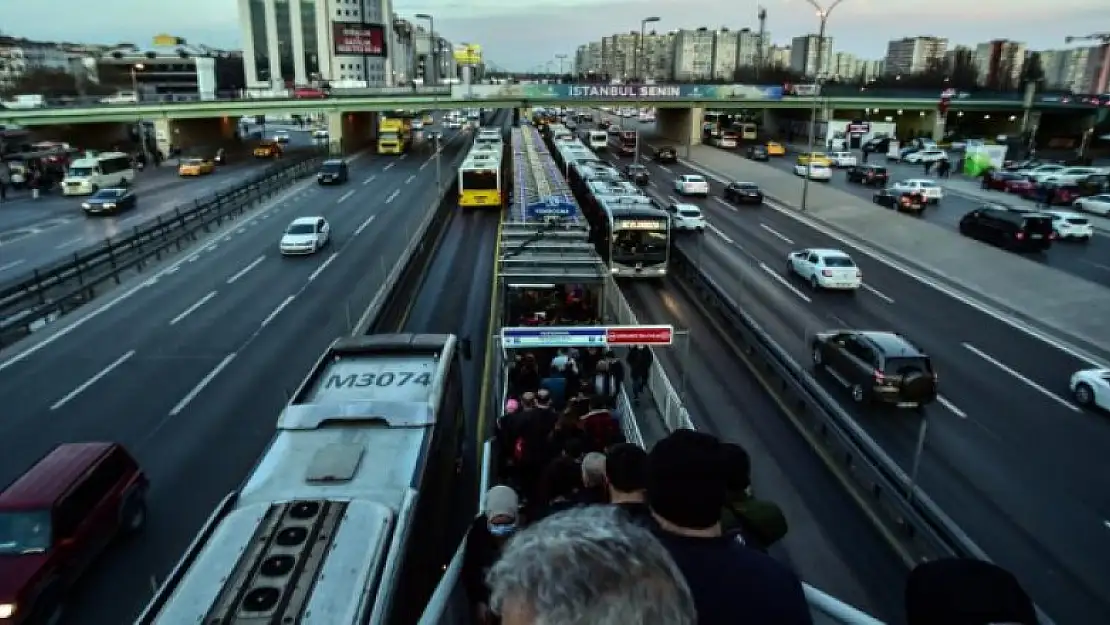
[
  {"x": 637, "y": 173},
  {"x": 901, "y": 201},
  {"x": 877, "y": 367},
  {"x": 1009, "y": 227},
  {"x": 664, "y": 154},
  {"x": 743, "y": 193},
  {"x": 870, "y": 175},
  {"x": 333, "y": 171},
  {"x": 758, "y": 153}
]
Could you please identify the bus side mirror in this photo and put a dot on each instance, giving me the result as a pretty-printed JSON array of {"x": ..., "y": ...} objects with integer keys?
[{"x": 465, "y": 348}]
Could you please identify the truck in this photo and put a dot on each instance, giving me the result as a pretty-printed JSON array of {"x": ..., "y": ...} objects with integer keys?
[{"x": 394, "y": 135}]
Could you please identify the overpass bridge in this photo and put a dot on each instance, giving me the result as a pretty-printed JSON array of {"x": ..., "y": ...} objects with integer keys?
[{"x": 352, "y": 114}]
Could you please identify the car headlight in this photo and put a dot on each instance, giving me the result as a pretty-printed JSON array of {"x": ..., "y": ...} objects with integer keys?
[
  {"x": 7, "y": 610},
  {"x": 86, "y": 205},
  {"x": 110, "y": 205}
]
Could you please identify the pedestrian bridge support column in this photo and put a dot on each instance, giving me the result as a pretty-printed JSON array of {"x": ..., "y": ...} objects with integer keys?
[
  {"x": 164, "y": 135},
  {"x": 350, "y": 132},
  {"x": 939, "y": 124},
  {"x": 682, "y": 126}
]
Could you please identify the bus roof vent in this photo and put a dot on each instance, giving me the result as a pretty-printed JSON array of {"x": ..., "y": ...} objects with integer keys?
[
  {"x": 337, "y": 462},
  {"x": 275, "y": 574}
]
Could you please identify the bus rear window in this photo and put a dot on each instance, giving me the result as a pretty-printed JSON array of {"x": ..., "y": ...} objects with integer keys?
[{"x": 483, "y": 180}]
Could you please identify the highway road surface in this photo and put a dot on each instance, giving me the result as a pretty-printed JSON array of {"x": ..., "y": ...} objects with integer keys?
[
  {"x": 1008, "y": 455},
  {"x": 38, "y": 233},
  {"x": 190, "y": 367}
]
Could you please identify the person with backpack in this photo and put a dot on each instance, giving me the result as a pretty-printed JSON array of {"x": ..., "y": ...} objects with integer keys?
[{"x": 760, "y": 523}]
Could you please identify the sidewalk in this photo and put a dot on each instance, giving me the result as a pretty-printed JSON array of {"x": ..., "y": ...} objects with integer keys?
[{"x": 1031, "y": 293}]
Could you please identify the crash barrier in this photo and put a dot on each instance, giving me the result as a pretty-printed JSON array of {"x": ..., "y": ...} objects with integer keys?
[
  {"x": 46, "y": 294},
  {"x": 922, "y": 529}
]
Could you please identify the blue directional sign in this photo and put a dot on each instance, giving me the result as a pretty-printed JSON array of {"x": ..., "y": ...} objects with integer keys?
[
  {"x": 551, "y": 206},
  {"x": 550, "y": 336}
]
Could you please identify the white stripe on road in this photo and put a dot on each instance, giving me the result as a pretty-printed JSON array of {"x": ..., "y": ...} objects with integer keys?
[
  {"x": 190, "y": 310},
  {"x": 93, "y": 380},
  {"x": 786, "y": 283},
  {"x": 321, "y": 268},
  {"x": 392, "y": 196},
  {"x": 277, "y": 311},
  {"x": 176, "y": 410},
  {"x": 345, "y": 196},
  {"x": 1033, "y": 385},
  {"x": 242, "y": 272}
]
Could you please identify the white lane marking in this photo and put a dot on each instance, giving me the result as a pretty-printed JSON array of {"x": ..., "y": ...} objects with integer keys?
[
  {"x": 673, "y": 199},
  {"x": 190, "y": 310},
  {"x": 69, "y": 243},
  {"x": 717, "y": 231},
  {"x": 242, "y": 272},
  {"x": 366, "y": 223},
  {"x": 392, "y": 196},
  {"x": 369, "y": 180},
  {"x": 1033, "y": 385},
  {"x": 410, "y": 179},
  {"x": 951, "y": 407},
  {"x": 93, "y": 380},
  {"x": 205, "y": 381},
  {"x": 877, "y": 293},
  {"x": 967, "y": 300},
  {"x": 277, "y": 311},
  {"x": 775, "y": 233},
  {"x": 425, "y": 164},
  {"x": 388, "y": 167},
  {"x": 666, "y": 169},
  {"x": 11, "y": 265},
  {"x": 404, "y": 156},
  {"x": 724, "y": 203},
  {"x": 322, "y": 267},
  {"x": 241, "y": 230},
  {"x": 786, "y": 283},
  {"x": 345, "y": 196}
]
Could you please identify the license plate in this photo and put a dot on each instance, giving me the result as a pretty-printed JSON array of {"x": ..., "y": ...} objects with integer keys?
[
  {"x": 1036, "y": 236},
  {"x": 907, "y": 404}
]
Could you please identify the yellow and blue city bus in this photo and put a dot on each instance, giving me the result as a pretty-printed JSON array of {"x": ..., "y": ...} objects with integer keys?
[{"x": 481, "y": 180}]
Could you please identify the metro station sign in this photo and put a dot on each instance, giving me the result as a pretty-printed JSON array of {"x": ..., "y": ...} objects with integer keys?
[{"x": 586, "y": 336}]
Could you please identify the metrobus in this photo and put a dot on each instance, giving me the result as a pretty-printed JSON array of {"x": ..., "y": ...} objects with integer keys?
[
  {"x": 481, "y": 180},
  {"x": 638, "y": 235},
  {"x": 356, "y": 506}
]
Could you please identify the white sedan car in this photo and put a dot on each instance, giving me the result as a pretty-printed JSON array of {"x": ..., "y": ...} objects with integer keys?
[
  {"x": 1070, "y": 226},
  {"x": 817, "y": 171},
  {"x": 1096, "y": 204},
  {"x": 843, "y": 159},
  {"x": 687, "y": 217},
  {"x": 825, "y": 269},
  {"x": 932, "y": 191},
  {"x": 928, "y": 155},
  {"x": 691, "y": 184},
  {"x": 1091, "y": 388},
  {"x": 305, "y": 235}
]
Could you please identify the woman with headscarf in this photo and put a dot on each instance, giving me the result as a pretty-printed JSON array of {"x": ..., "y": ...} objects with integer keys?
[{"x": 484, "y": 543}]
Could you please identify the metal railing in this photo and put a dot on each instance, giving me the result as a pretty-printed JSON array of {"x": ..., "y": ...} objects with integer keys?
[{"x": 45, "y": 294}]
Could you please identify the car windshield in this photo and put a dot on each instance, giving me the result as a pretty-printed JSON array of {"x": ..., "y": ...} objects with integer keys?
[
  {"x": 838, "y": 261},
  {"x": 80, "y": 172},
  {"x": 108, "y": 194},
  {"x": 301, "y": 229},
  {"x": 925, "y": 184},
  {"x": 24, "y": 532},
  {"x": 695, "y": 179},
  {"x": 192, "y": 161},
  {"x": 1077, "y": 221},
  {"x": 330, "y": 168},
  {"x": 746, "y": 186},
  {"x": 689, "y": 212},
  {"x": 636, "y": 168}
]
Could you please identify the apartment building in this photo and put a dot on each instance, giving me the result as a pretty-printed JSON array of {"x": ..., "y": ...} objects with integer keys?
[
  {"x": 999, "y": 62},
  {"x": 618, "y": 54},
  {"x": 804, "y": 55},
  {"x": 1065, "y": 69},
  {"x": 724, "y": 54},
  {"x": 18, "y": 56},
  {"x": 779, "y": 56},
  {"x": 693, "y": 54},
  {"x": 587, "y": 58},
  {"x": 658, "y": 51},
  {"x": 748, "y": 48},
  {"x": 849, "y": 67},
  {"x": 913, "y": 55}
]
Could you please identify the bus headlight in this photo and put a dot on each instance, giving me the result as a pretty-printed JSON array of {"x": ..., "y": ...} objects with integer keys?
[{"x": 7, "y": 610}]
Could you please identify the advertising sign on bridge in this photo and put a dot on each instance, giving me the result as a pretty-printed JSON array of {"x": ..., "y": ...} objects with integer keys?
[
  {"x": 586, "y": 336},
  {"x": 551, "y": 206},
  {"x": 630, "y": 93}
]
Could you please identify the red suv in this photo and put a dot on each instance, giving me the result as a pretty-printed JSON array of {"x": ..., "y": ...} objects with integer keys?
[{"x": 57, "y": 518}]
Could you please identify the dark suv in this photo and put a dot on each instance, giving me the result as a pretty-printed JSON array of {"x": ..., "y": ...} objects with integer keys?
[
  {"x": 877, "y": 367},
  {"x": 58, "y": 518},
  {"x": 664, "y": 154},
  {"x": 870, "y": 175},
  {"x": 1009, "y": 227}
]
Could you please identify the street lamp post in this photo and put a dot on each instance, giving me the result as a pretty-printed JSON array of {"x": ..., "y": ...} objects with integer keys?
[
  {"x": 561, "y": 57},
  {"x": 639, "y": 53},
  {"x": 431, "y": 47},
  {"x": 823, "y": 14},
  {"x": 135, "y": 69}
]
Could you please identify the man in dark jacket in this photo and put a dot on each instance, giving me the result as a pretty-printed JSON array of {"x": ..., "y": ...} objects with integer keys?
[
  {"x": 760, "y": 522},
  {"x": 626, "y": 478},
  {"x": 963, "y": 591},
  {"x": 731, "y": 583},
  {"x": 639, "y": 359},
  {"x": 484, "y": 544}
]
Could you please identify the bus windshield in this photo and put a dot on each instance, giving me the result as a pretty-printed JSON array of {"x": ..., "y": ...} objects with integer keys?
[
  {"x": 640, "y": 244},
  {"x": 388, "y": 136},
  {"x": 479, "y": 180}
]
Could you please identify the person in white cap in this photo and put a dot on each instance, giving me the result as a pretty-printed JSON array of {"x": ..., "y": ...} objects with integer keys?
[{"x": 484, "y": 544}]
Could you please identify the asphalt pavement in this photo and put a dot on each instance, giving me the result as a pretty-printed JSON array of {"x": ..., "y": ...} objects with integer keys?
[
  {"x": 1089, "y": 260},
  {"x": 190, "y": 367},
  {"x": 1008, "y": 456},
  {"x": 37, "y": 233}
]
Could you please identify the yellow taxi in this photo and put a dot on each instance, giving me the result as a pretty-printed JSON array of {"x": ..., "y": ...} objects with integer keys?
[
  {"x": 195, "y": 167},
  {"x": 267, "y": 149},
  {"x": 775, "y": 148},
  {"x": 428, "y": 120},
  {"x": 817, "y": 158}
]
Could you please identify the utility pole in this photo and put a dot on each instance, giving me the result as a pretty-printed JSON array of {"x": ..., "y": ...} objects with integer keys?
[
  {"x": 823, "y": 14},
  {"x": 761, "y": 43}
]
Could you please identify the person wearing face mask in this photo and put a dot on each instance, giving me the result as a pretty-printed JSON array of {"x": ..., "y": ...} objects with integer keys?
[{"x": 484, "y": 544}]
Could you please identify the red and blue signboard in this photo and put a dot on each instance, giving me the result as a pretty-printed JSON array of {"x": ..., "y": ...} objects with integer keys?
[{"x": 586, "y": 336}]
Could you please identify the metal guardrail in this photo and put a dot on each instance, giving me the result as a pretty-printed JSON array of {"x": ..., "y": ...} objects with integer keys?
[
  {"x": 46, "y": 294},
  {"x": 920, "y": 526}
]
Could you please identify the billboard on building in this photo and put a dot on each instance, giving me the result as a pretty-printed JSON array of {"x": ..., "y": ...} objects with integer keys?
[
  {"x": 468, "y": 54},
  {"x": 358, "y": 39}
]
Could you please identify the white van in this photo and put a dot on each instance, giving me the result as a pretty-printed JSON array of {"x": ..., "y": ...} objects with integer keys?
[
  {"x": 598, "y": 140},
  {"x": 86, "y": 176}
]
